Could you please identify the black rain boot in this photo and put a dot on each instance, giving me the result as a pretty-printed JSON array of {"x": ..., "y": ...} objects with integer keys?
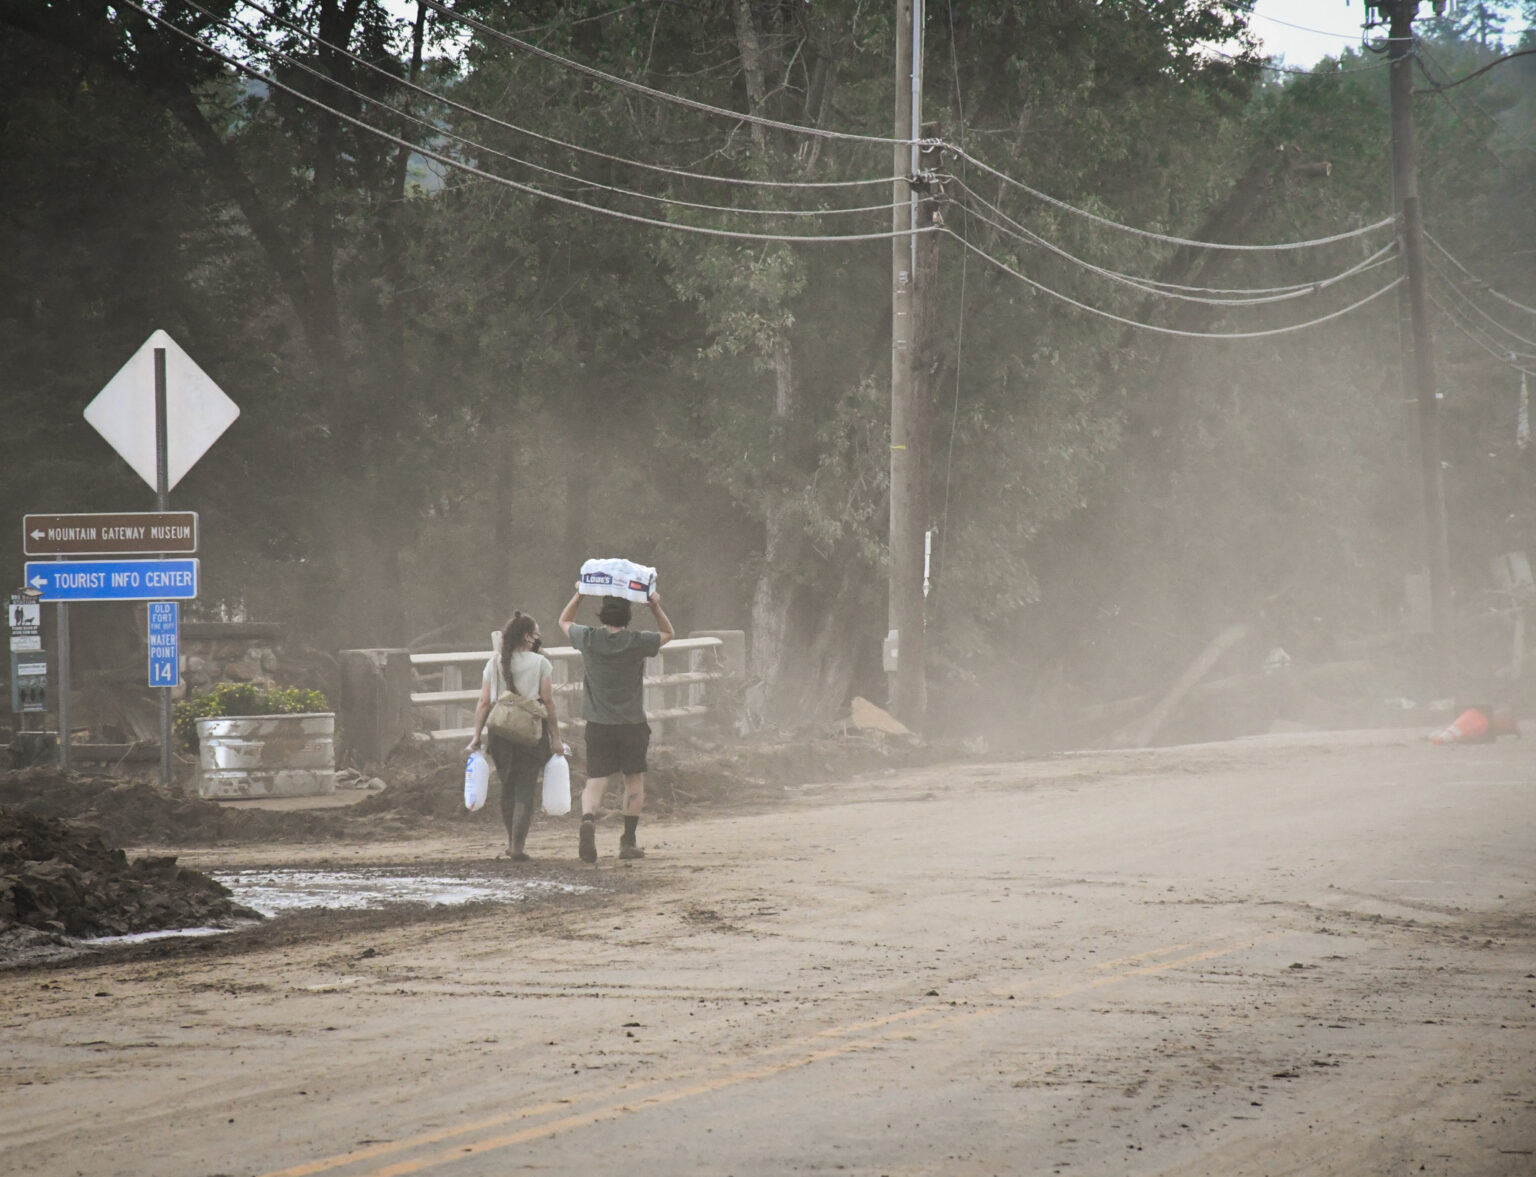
[{"x": 522, "y": 817}]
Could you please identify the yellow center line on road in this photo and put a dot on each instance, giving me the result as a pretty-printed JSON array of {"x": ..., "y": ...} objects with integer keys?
[
  {"x": 1141, "y": 956},
  {"x": 686, "y": 1084},
  {"x": 373, "y": 1152},
  {"x": 1152, "y": 969},
  {"x": 613, "y": 1111}
]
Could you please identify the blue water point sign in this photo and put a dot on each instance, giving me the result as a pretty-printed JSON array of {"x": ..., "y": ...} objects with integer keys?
[
  {"x": 113, "y": 580},
  {"x": 164, "y": 644}
]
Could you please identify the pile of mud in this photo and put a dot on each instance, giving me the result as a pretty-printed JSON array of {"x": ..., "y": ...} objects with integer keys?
[
  {"x": 60, "y": 879},
  {"x": 138, "y": 813}
]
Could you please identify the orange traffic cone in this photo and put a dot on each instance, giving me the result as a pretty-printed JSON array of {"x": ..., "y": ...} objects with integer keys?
[{"x": 1471, "y": 727}]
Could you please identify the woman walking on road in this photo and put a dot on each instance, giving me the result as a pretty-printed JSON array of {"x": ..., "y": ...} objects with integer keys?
[{"x": 520, "y": 667}]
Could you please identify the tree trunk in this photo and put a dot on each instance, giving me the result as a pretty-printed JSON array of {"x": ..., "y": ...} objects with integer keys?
[{"x": 802, "y": 653}]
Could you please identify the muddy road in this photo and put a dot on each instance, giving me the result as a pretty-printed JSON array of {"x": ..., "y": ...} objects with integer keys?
[{"x": 1296, "y": 955}]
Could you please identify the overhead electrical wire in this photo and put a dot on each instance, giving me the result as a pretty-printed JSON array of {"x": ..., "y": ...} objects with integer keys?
[
  {"x": 650, "y": 92},
  {"x": 1421, "y": 58},
  {"x": 484, "y": 149},
  {"x": 581, "y": 181},
  {"x": 1266, "y": 65},
  {"x": 795, "y": 127},
  {"x": 700, "y": 176},
  {"x": 1442, "y": 86},
  {"x": 1166, "y": 237},
  {"x": 474, "y": 112},
  {"x": 1249, "y": 11},
  {"x": 1485, "y": 287},
  {"x": 533, "y": 190},
  {"x": 530, "y": 189},
  {"x": 1466, "y": 300},
  {"x": 1242, "y": 297},
  {"x": 1510, "y": 359},
  {"x": 1093, "y": 310}
]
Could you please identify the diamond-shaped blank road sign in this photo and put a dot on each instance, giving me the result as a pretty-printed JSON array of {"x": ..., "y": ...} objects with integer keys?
[{"x": 196, "y": 411}]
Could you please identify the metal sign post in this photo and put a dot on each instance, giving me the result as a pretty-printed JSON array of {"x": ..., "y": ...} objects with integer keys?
[
  {"x": 63, "y": 610},
  {"x": 162, "y": 493}
]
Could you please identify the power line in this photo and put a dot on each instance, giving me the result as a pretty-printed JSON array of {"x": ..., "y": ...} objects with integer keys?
[
  {"x": 1439, "y": 87},
  {"x": 1508, "y": 358},
  {"x": 1043, "y": 289},
  {"x": 1421, "y": 59},
  {"x": 1255, "y": 296},
  {"x": 797, "y": 128},
  {"x": 532, "y": 134},
  {"x": 532, "y": 190},
  {"x": 482, "y": 148},
  {"x": 1249, "y": 11},
  {"x": 1265, "y": 65},
  {"x": 1165, "y": 237},
  {"x": 1484, "y": 286},
  {"x": 1467, "y": 300},
  {"x": 649, "y": 92}
]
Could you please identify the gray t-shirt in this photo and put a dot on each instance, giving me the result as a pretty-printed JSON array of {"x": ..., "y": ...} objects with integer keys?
[{"x": 613, "y": 672}]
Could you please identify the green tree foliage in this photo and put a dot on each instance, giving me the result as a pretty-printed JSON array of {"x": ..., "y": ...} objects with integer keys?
[{"x": 454, "y": 390}]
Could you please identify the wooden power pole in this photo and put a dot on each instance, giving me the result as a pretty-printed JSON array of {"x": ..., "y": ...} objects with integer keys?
[
  {"x": 1410, "y": 228},
  {"x": 909, "y": 482}
]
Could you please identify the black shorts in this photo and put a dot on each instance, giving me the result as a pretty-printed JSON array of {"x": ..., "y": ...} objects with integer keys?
[{"x": 617, "y": 747}]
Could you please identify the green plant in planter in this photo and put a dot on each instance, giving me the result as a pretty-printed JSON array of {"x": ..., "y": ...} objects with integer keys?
[{"x": 239, "y": 698}]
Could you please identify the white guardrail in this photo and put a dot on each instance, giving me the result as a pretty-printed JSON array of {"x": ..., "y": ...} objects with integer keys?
[{"x": 679, "y": 689}]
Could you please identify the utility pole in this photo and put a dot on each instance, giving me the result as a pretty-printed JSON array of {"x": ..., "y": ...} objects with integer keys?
[
  {"x": 909, "y": 484},
  {"x": 1410, "y": 228}
]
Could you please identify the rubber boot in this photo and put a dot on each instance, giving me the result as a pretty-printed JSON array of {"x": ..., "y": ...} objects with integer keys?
[{"x": 517, "y": 829}]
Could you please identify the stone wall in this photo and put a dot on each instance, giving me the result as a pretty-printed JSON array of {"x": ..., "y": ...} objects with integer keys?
[{"x": 214, "y": 652}]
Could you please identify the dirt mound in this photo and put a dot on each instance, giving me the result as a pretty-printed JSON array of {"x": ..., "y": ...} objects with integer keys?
[
  {"x": 59, "y": 878},
  {"x": 136, "y": 812}
]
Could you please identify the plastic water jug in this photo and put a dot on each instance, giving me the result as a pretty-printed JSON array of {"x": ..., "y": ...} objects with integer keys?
[
  {"x": 477, "y": 780},
  {"x": 557, "y": 786}
]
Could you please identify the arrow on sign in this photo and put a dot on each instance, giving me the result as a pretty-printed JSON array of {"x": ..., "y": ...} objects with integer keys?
[
  {"x": 38, "y": 534},
  {"x": 37, "y": 582}
]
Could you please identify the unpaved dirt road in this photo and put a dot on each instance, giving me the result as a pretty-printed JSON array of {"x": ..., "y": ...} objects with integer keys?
[{"x": 1299, "y": 955}]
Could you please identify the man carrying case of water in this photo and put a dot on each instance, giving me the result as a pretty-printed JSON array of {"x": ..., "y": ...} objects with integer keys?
[{"x": 613, "y": 698}]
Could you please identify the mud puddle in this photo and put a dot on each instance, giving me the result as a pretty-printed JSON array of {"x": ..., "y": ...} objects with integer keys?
[{"x": 275, "y": 892}]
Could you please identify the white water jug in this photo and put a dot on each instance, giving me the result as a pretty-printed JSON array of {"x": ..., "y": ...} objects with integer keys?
[
  {"x": 477, "y": 780},
  {"x": 557, "y": 786}
]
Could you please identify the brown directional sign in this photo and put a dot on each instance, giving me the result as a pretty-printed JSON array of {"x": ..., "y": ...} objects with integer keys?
[{"x": 146, "y": 533}]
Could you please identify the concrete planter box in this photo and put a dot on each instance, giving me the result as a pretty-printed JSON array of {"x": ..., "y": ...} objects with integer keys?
[{"x": 267, "y": 755}]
